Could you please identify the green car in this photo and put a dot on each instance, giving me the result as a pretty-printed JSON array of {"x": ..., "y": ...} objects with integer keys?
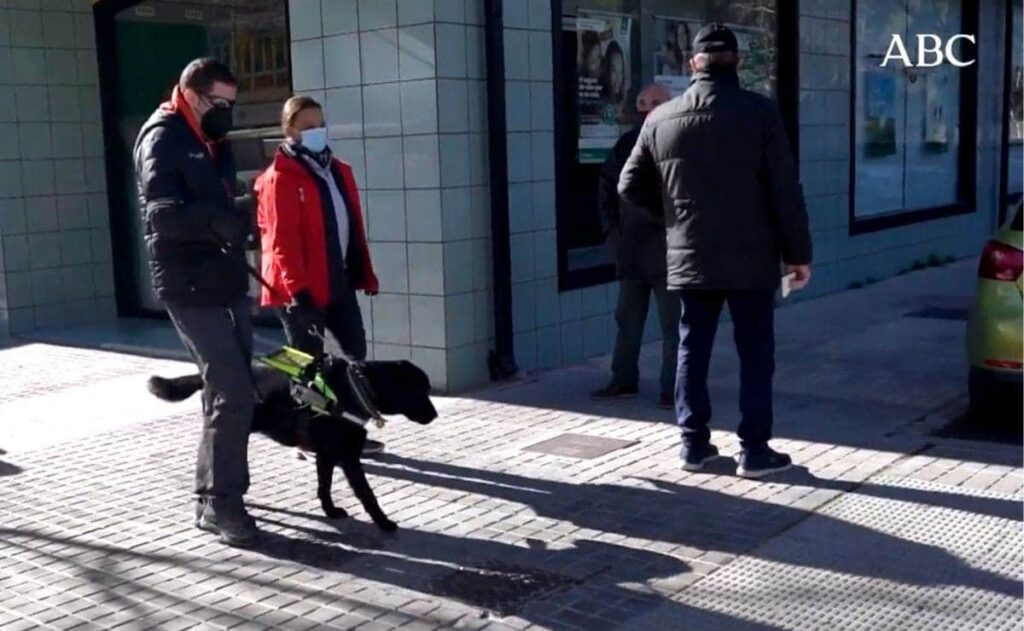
[{"x": 994, "y": 338}]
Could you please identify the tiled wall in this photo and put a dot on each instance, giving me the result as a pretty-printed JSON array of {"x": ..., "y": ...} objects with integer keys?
[
  {"x": 55, "y": 257},
  {"x": 551, "y": 328},
  {"x": 403, "y": 84},
  {"x": 842, "y": 260}
]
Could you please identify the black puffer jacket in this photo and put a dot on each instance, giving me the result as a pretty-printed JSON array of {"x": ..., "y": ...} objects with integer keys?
[
  {"x": 186, "y": 194},
  {"x": 718, "y": 158},
  {"x": 636, "y": 236}
]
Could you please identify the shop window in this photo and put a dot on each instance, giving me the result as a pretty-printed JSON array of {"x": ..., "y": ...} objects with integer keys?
[
  {"x": 913, "y": 127},
  {"x": 606, "y": 51}
]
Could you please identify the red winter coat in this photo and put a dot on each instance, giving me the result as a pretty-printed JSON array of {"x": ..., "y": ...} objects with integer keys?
[{"x": 290, "y": 216}]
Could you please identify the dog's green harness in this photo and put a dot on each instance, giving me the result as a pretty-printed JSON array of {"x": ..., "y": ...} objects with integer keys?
[{"x": 310, "y": 388}]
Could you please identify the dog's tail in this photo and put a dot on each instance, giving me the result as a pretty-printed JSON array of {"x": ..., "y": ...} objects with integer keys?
[{"x": 174, "y": 388}]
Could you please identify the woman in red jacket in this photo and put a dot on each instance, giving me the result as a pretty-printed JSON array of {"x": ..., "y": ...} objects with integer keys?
[{"x": 314, "y": 250}]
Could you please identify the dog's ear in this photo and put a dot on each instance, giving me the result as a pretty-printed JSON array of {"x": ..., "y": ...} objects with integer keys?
[{"x": 401, "y": 387}]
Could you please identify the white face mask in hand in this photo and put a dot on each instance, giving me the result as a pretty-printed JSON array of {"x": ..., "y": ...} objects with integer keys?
[{"x": 314, "y": 140}]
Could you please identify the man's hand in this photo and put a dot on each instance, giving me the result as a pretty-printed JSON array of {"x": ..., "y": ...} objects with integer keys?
[{"x": 801, "y": 276}]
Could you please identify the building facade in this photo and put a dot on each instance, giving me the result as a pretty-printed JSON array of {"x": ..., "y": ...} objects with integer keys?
[{"x": 476, "y": 128}]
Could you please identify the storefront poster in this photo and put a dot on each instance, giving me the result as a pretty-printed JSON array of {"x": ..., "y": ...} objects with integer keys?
[
  {"x": 879, "y": 134},
  {"x": 604, "y": 83},
  {"x": 672, "y": 53},
  {"x": 936, "y": 130}
]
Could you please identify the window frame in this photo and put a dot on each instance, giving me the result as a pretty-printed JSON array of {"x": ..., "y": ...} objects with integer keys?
[
  {"x": 967, "y": 143},
  {"x": 787, "y": 37},
  {"x": 1007, "y": 198}
]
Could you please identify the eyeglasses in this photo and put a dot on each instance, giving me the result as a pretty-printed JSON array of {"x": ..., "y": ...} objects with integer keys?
[{"x": 219, "y": 102}]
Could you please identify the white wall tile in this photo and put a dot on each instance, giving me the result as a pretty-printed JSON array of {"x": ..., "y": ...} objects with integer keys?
[
  {"x": 304, "y": 18},
  {"x": 377, "y": 14},
  {"x": 450, "y": 11},
  {"x": 541, "y": 62},
  {"x": 480, "y": 214},
  {"x": 544, "y": 205},
  {"x": 382, "y": 105},
  {"x": 426, "y": 269},
  {"x": 28, "y": 66},
  {"x": 44, "y": 250},
  {"x": 8, "y": 106},
  {"x": 458, "y": 267},
  {"x": 384, "y": 168},
  {"x": 88, "y": 72},
  {"x": 517, "y": 15},
  {"x": 353, "y": 152},
  {"x": 341, "y": 61},
  {"x": 32, "y": 103},
  {"x": 26, "y": 28},
  {"x": 543, "y": 150},
  {"x": 525, "y": 348},
  {"x": 63, "y": 103},
  {"x": 433, "y": 361},
  {"x": 12, "y": 215},
  {"x": 476, "y": 53},
  {"x": 11, "y": 179},
  {"x": 17, "y": 257},
  {"x": 522, "y": 251},
  {"x": 520, "y": 207},
  {"x": 517, "y": 106},
  {"x": 547, "y": 302},
  {"x": 62, "y": 67},
  {"x": 85, "y": 32},
  {"x": 386, "y": 211},
  {"x": 523, "y": 307},
  {"x": 549, "y": 347},
  {"x": 41, "y": 214},
  {"x": 58, "y": 30},
  {"x": 460, "y": 323},
  {"x": 451, "y": 50},
  {"x": 453, "y": 105},
  {"x": 308, "y": 65},
  {"x": 483, "y": 314},
  {"x": 9, "y": 144},
  {"x": 547, "y": 253},
  {"x": 391, "y": 318},
  {"x": 339, "y": 16},
  {"x": 596, "y": 341},
  {"x": 428, "y": 321},
  {"x": 419, "y": 107},
  {"x": 417, "y": 54},
  {"x": 517, "y": 58},
  {"x": 391, "y": 263},
  {"x": 344, "y": 112},
  {"x": 73, "y": 212},
  {"x": 422, "y": 163},
  {"x": 454, "y": 150},
  {"x": 542, "y": 114},
  {"x": 379, "y": 55},
  {"x": 37, "y": 178},
  {"x": 519, "y": 158},
  {"x": 474, "y": 12},
  {"x": 423, "y": 215},
  {"x": 456, "y": 208},
  {"x": 478, "y": 106},
  {"x": 67, "y": 140},
  {"x": 415, "y": 12},
  {"x": 540, "y": 15},
  {"x": 75, "y": 249},
  {"x": 483, "y": 264},
  {"x": 479, "y": 160}
]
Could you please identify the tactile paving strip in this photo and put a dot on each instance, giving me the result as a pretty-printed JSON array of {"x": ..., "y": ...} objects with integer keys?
[{"x": 926, "y": 561}]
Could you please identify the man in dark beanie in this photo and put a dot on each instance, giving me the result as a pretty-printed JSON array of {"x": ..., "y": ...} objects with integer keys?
[{"x": 719, "y": 160}]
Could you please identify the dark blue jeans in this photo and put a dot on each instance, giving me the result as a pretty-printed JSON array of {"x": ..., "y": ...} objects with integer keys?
[{"x": 753, "y": 316}]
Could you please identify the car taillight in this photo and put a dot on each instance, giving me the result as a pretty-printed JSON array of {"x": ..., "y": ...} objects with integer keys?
[{"x": 1000, "y": 262}]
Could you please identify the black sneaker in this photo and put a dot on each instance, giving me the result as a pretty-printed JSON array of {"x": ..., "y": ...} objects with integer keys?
[
  {"x": 614, "y": 391},
  {"x": 696, "y": 456},
  {"x": 667, "y": 401},
  {"x": 761, "y": 462},
  {"x": 237, "y": 531},
  {"x": 373, "y": 447}
]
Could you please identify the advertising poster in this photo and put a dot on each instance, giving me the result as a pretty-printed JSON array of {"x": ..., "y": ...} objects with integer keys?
[
  {"x": 672, "y": 53},
  {"x": 605, "y": 84},
  {"x": 879, "y": 114},
  {"x": 936, "y": 130}
]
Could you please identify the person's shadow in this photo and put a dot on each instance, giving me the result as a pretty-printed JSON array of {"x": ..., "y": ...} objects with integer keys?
[
  {"x": 708, "y": 520},
  {"x": 534, "y": 582},
  {"x": 7, "y": 468}
]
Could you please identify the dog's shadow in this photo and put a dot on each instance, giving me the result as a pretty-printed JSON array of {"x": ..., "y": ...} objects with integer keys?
[{"x": 7, "y": 468}]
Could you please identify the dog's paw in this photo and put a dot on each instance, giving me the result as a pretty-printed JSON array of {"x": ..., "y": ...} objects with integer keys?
[
  {"x": 333, "y": 512},
  {"x": 387, "y": 525}
]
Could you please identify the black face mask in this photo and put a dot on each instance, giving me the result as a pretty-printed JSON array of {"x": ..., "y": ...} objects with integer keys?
[{"x": 217, "y": 122}]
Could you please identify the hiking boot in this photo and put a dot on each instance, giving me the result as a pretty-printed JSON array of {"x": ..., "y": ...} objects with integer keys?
[
  {"x": 235, "y": 529},
  {"x": 667, "y": 401},
  {"x": 757, "y": 463},
  {"x": 696, "y": 456},
  {"x": 373, "y": 447},
  {"x": 614, "y": 391}
]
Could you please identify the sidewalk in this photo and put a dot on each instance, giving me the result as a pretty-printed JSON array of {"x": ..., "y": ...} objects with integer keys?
[{"x": 880, "y": 526}]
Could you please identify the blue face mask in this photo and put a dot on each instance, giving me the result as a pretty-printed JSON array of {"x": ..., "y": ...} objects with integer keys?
[{"x": 314, "y": 140}]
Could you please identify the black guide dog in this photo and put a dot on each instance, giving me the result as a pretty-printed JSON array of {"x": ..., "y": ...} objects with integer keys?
[{"x": 394, "y": 388}]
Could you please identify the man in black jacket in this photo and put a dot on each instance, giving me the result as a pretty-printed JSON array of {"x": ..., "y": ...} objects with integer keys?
[
  {"x": 719, "y": 159},
  {"x": 636, "y": 243},
  {"x": 186, "y": 177}
]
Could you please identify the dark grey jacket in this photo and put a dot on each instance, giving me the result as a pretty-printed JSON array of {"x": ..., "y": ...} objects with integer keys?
[
  {"x": 636, "y": 236},
  {"x": 186, "y": 195},
  {"x": 718, "y": 158}
]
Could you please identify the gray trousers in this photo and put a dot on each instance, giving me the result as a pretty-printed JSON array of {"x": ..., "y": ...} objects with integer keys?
[
  {"x": 631, "y": 315},
  {"x": 220, "y": 342}
]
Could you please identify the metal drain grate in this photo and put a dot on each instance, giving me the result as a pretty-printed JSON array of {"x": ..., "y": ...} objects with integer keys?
[
  {"x": 938, "y": 313},
  {"x": 498, "y": 588},
  {"x": 579, "y": 446}
]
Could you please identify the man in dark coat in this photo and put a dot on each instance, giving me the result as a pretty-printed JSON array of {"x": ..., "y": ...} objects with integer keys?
[
  {"x": 719, "y": 160},
  {"x": 636, "y": 242},
  {"x": 186, "y": 177}
]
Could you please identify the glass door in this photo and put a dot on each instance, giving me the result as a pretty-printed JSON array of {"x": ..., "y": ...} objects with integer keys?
[{"x": 143, "y": 47}]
